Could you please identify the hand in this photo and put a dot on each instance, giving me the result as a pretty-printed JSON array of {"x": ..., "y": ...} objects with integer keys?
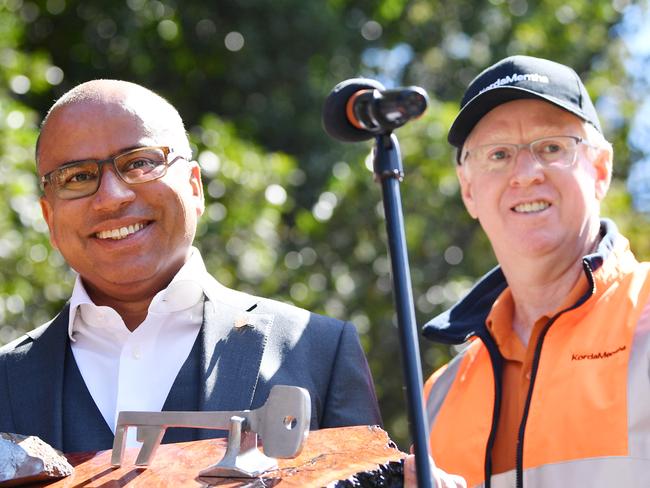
[{"x": 438, "y": 476}]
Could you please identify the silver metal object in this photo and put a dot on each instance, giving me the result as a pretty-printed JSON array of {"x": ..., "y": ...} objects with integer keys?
[{"x": 282, "y": 423}]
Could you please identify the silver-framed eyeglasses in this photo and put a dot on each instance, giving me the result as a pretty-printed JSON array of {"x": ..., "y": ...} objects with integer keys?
[
  {"x": 80, "y": 179},
  {"x": 555, "y": 151}
]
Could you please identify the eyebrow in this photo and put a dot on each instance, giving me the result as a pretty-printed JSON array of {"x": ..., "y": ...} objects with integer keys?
[{"x": 121, "y": 151}]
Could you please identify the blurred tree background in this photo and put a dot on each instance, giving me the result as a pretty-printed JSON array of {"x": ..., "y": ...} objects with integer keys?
[{"x": 291, "y": 214}]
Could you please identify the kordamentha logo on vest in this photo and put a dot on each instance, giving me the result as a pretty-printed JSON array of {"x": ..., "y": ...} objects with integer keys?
[
  {"x": 515, "y": 78},
  {"x": 597, "y": 355}
]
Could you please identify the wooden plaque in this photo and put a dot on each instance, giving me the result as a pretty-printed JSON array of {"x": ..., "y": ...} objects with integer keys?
[{"x": 347, "y": 455}]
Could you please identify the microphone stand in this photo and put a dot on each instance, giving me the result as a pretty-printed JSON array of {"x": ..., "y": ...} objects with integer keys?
[{"x": 388, "y": 169}]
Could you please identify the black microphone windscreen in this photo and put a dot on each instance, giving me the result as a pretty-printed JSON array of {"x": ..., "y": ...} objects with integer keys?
[{"x": 335, "y": 119}]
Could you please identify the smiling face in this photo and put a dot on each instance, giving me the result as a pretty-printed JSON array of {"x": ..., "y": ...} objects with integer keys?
[
  {"x": 529, "y": 210},
  {"x": 126, "y": 241}
]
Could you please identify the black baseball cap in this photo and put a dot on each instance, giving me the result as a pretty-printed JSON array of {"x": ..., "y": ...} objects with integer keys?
[{"x": 519, "y": 77}]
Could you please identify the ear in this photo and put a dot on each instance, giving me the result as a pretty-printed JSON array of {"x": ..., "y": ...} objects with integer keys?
[
  {"x": 466, "y": 191},
  {"x": 603, "y": 168},
  {"x": 46, "y": 210},
  {"x": 197, "y": 187}
]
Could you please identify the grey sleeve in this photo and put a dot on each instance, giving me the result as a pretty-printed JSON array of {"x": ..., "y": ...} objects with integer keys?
[{"x": 351, "y": 398}]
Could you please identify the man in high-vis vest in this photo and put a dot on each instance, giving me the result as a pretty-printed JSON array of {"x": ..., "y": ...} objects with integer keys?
[{"x": 552, "y": 388}]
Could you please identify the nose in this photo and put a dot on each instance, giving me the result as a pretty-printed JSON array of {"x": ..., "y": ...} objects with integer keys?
[
  {"x": 526, "y": 169},
  {"x": 112, "y": 193}
]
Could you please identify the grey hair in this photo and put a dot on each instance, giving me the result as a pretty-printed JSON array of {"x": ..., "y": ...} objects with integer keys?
[{"x": 595, "y": 137}]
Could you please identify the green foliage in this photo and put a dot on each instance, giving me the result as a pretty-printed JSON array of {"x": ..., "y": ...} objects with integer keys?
[
  {"x": 30, "y": 275},
  {"x": 289, "y": 213}
]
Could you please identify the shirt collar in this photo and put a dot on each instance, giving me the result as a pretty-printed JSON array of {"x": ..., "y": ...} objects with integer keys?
[
  {"x": 184, "y": 291},
  {"x": 499, "y": 320},
  {"x": 499, "y": 323}
]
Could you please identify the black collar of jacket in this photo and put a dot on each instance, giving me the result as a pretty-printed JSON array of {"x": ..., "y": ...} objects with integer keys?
[{"x": 466, "y": 319}]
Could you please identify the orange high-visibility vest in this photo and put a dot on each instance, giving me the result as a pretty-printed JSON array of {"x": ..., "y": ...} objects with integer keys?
[{"x": 587, "y": 417}]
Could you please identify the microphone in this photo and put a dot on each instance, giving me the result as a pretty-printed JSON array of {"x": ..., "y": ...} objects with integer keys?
[{"x": 361, "y": 108}]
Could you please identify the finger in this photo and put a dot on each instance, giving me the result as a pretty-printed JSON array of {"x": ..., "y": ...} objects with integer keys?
[{"x": 410, "y": 478}]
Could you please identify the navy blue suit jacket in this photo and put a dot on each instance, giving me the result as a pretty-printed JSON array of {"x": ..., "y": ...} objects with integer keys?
[{"x": 280, "y": 344}]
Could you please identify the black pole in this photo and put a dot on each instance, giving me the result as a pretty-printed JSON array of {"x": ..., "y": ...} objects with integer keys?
[{"x": 388, "y": 169}]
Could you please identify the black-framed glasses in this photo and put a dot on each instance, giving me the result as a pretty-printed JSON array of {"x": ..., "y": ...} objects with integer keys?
[
  {"x": 555, "y": 151},
  {"x": 82, "y": 178}
]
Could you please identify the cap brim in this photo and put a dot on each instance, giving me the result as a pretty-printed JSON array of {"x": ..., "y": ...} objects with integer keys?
[{"x": 482, "y": 103}]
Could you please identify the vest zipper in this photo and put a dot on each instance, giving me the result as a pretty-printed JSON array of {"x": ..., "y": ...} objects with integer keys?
[
  {"x": 522, "y": 427},
  {"x": 519, "y": 474}
]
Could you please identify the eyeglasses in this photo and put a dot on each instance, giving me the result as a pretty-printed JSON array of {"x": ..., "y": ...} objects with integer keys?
[
  {"x": 556, "y": 151},
  {"x": 82, "y": 178}
]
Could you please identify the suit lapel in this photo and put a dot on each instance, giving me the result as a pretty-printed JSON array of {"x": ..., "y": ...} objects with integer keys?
[
  {"x": 233, "y": 345},
  {"x": 36, "y": 389}
]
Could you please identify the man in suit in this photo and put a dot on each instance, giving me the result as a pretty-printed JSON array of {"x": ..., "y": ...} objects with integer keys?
[{"x": 146, "y": 327}]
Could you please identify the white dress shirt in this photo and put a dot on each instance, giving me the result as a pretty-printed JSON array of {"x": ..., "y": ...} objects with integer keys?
[{"x": 126, "y": 370}]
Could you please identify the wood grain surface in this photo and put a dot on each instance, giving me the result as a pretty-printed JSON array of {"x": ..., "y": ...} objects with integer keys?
[{"x": 329, "y": 455}]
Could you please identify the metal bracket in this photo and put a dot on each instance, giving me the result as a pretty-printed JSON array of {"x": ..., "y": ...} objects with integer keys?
[
  {"x": 242, "y": 457},
  {"x": 282, "y": 423}
]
